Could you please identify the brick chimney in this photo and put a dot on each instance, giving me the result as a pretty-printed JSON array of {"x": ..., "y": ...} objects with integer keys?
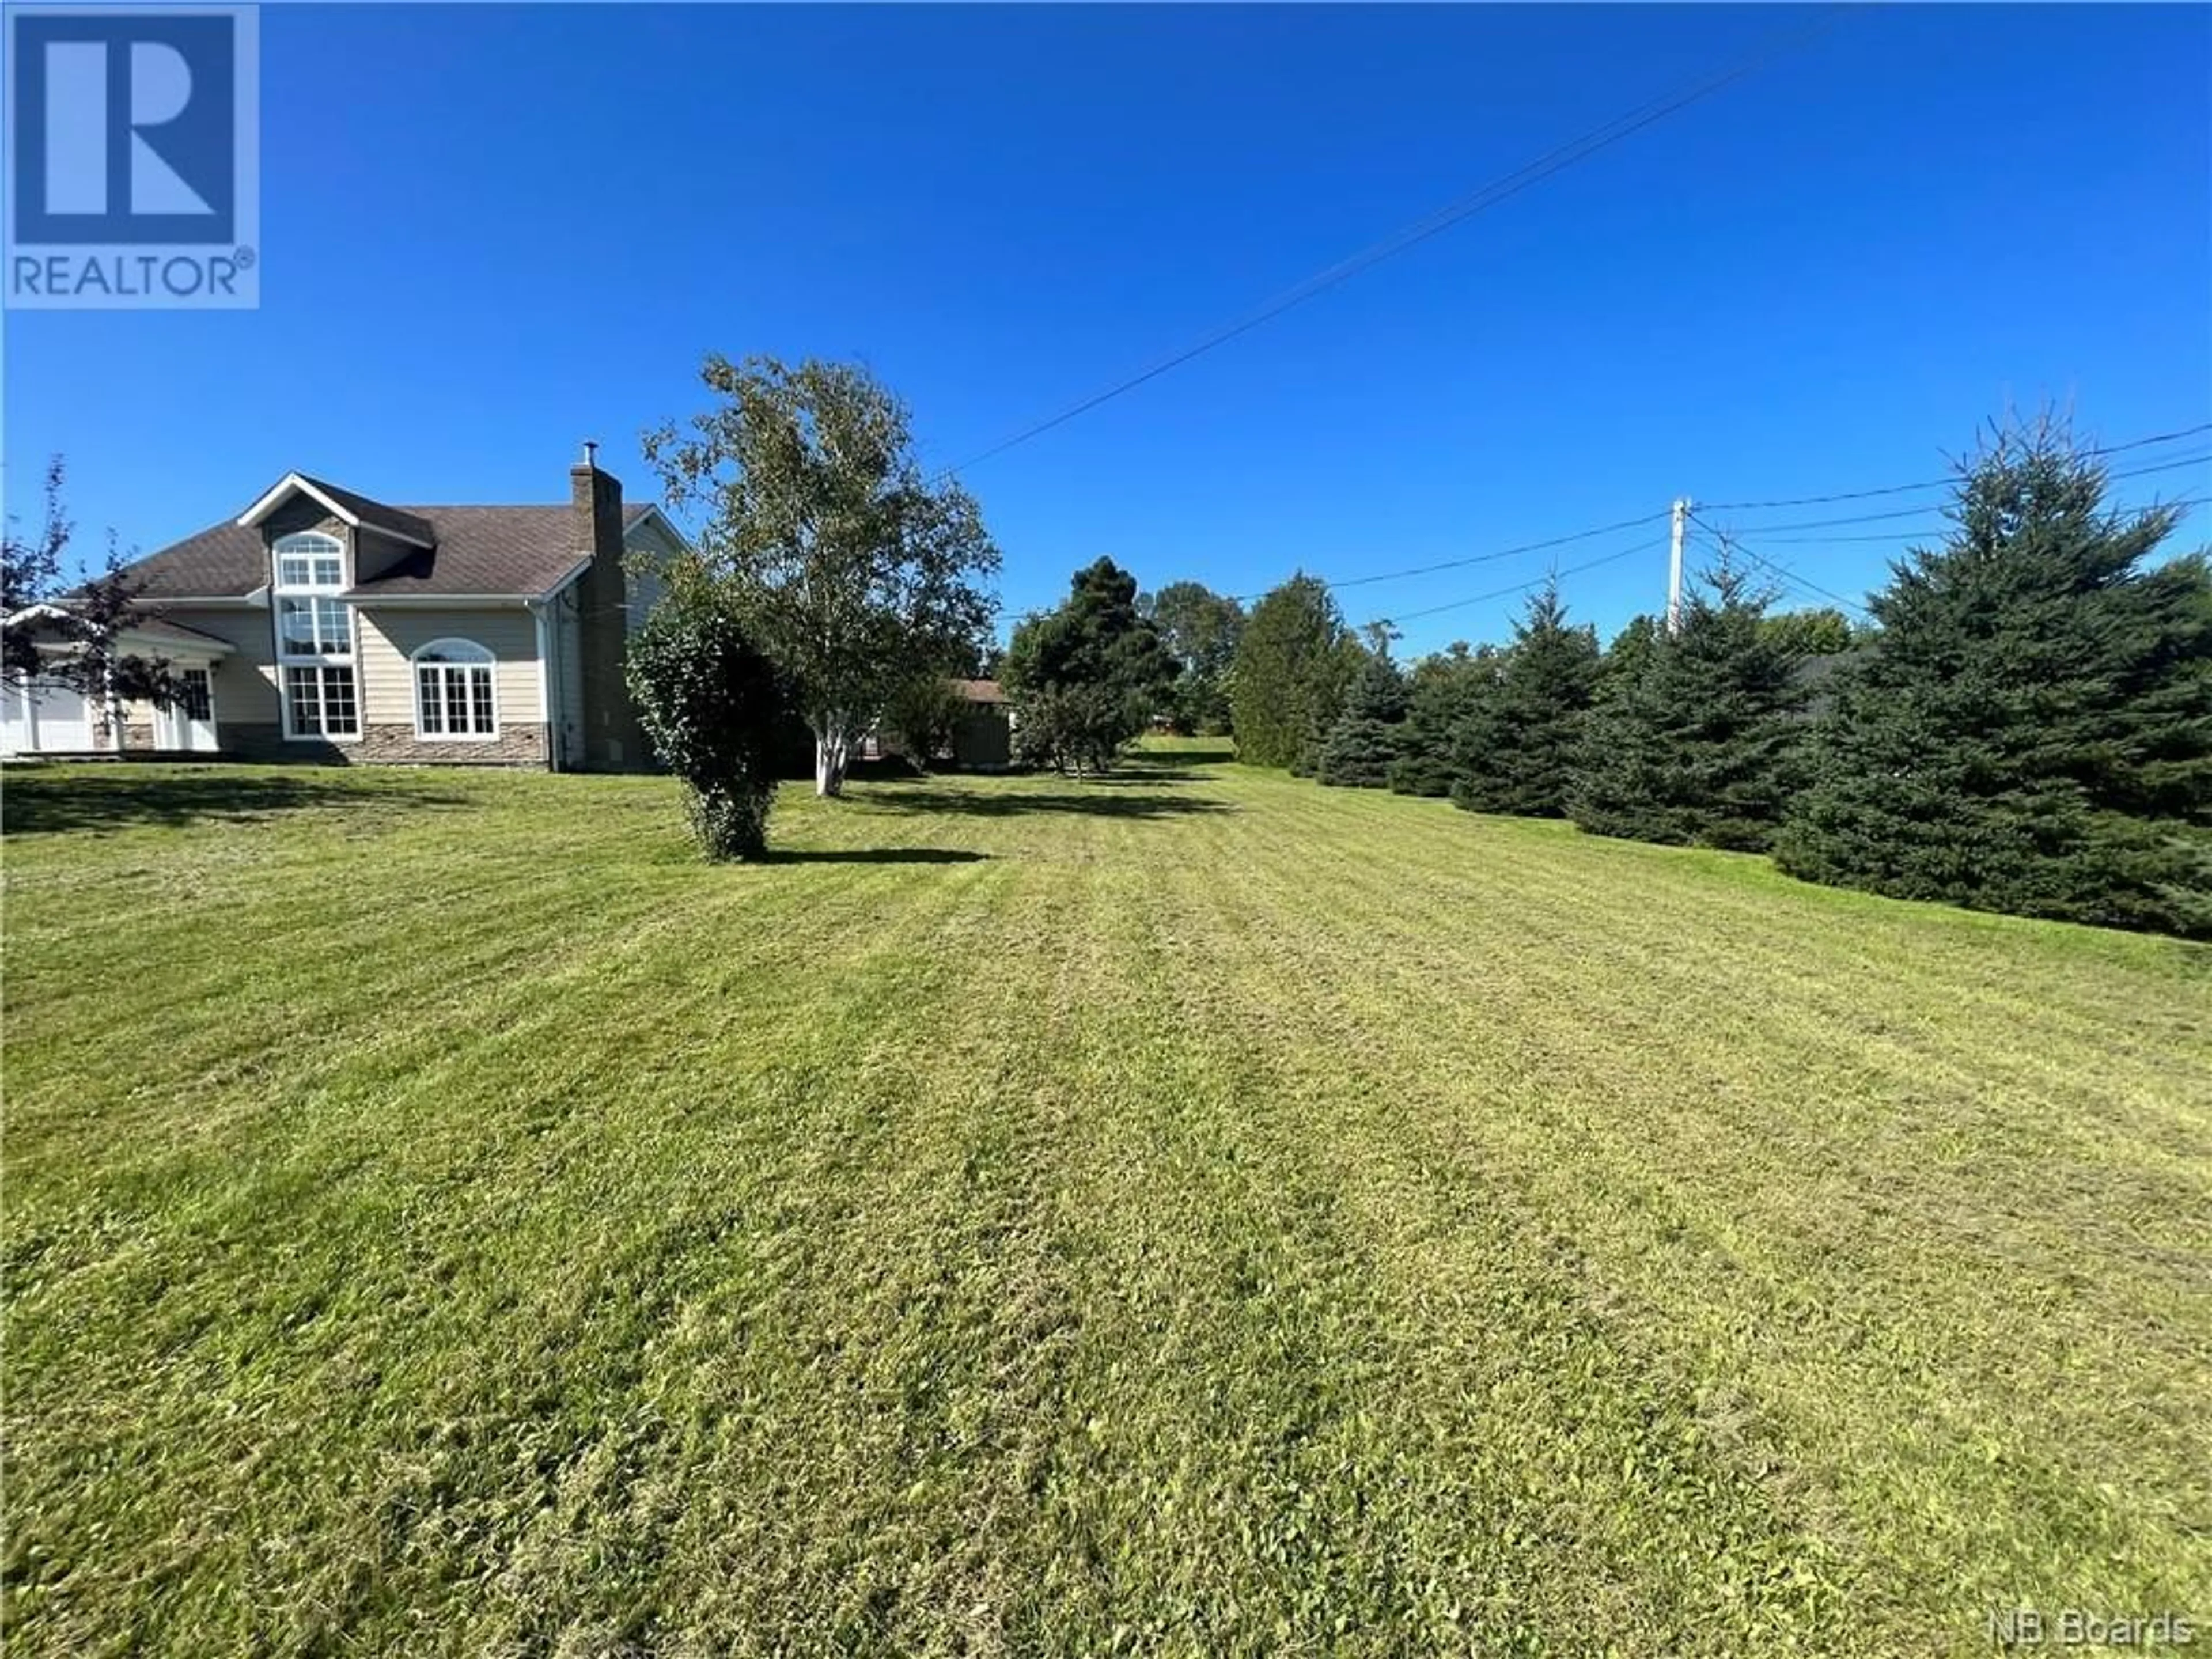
[
  {"x": 612, "y": 741},
  {"x": 597, "y": 499}
]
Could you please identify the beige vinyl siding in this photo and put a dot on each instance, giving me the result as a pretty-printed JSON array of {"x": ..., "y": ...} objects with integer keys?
[
  {"x": 389, "y": 636},
  {"x": 244, "y": 685}
]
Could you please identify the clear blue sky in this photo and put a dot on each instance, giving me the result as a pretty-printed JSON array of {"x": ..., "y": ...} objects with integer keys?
[{"x": 490, "y": 232}]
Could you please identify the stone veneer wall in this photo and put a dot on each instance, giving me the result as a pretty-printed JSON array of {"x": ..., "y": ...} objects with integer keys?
[{"x": 518, "y": 744}]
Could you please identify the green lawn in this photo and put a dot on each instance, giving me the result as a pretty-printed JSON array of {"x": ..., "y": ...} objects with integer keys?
[{"x": 1194, "y": 1213}]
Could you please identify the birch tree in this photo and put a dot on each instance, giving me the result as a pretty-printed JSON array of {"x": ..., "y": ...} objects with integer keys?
[{"x": 853, "y": 571}]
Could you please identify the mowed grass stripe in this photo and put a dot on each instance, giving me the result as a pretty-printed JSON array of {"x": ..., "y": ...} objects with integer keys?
[
  {"x": 337, "y": 1186},
  {"x": 1221, "y": 1216},
  {"x": 1481, "y": 1505},
  {"x": 1864, "y": 1262}
]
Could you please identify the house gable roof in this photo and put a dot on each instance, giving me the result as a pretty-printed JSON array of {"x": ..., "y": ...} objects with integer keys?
[
  {"x": 354, "y": 509},
  {"x": 494, "y": 552}
]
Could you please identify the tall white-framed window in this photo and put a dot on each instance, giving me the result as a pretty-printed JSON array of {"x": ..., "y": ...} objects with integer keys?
[
  {"x": 455, "y": 693},
  {"x": 314, "y": 638}
]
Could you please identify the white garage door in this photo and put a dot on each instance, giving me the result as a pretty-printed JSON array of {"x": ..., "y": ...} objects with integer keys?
[{"x": 49, "y": 720}]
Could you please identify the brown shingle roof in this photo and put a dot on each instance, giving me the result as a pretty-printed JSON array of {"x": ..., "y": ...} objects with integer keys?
[
  {"x": 222, "y": 562},
  {"x": 505, "y": 551},
  {"x": 399, "y": 521},
  {"x": 485, "y": 549},
  {"x": 979, "y": 690}
]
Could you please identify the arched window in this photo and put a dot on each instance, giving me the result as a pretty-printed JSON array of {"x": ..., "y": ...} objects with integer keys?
[
  {"x": 310, "y": 559},
  {"x": 454, "y": 698}
]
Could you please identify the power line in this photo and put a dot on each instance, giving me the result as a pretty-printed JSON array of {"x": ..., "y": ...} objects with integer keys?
[
  {"x": 2205, "y": 459},
  {"x": 1937, "y": 507},
  {"x": 1938, "y": 484},
  {"x": 1523, "y": 587},
  {"x": 1730, "y": 537},
  {"x": 1731, "y": 540},
  {"x": 1479, "y": 559},
  {"x": 1909, "y": 535},
  {"x": 1730, "y": 543},
  {"x": 1489, "y": 195},
  {"x": 1819, "y": 523},
  {"x": 1801, "y": 588},
  {"x": 1830, "y": 541}
]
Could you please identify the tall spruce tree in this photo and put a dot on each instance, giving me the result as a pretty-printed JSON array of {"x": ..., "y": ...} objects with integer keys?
[
  {"x": 1631, "y": 650},
  {"x": 1294, "y": 660},
  {"x": 2033, "y": 730},
  {"x": 1694, "y": 737},
  {"x": 1363, "y": 742},
  {"x": 1515, "y": 751},
  {"x": 1085, "y": 678},
  {"x": 1446, "y": 690}
]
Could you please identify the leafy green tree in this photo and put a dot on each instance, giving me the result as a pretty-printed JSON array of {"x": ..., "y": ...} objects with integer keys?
[
  {"x": 1446, "y": 691},
  {"x": 1085, "y": 678},
  {"x": 1363, "y": 741},
  {"x": 1294, "y": 662},
  {"x": 1825, "y": 632},
  {"x": 1694, "y": 739},
  {"x": 711, "y": 706},
  {"x": 924, "y": 714},
  {"x": 2031, "y": 730},
  {"x": 845, "y": 564},
  {"x": 64, "y": 633},
  {"x": 1199, "y": 628},
  {"x": 1515, "y": 750}
]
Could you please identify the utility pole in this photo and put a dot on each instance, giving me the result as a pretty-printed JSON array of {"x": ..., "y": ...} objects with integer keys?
[{"x": 1674, "y": 564}]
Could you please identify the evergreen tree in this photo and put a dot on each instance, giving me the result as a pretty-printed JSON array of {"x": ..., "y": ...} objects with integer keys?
[
  {"x": 1515, "y": 750},
  {"x": 1694, "y": 736},
  {"x": 1084, "y": 679},
  {"x": 1294, "y": 660},
  {"x": 1447, "y": 689},
  {"x": 1363, "y": 742},
  {"x": 1632, "y": 648},
  {"x": 2033, "y": 731}
]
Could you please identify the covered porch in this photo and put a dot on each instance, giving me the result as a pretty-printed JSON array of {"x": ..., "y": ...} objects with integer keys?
[{"x": 48, "y": 717}]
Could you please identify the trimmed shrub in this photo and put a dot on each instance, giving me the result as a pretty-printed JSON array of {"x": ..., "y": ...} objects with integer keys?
[{"x": 715, "y": 713}]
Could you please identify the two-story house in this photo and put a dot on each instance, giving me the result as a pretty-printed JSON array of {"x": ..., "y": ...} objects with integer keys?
[{"x": 322, "y": 625}]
